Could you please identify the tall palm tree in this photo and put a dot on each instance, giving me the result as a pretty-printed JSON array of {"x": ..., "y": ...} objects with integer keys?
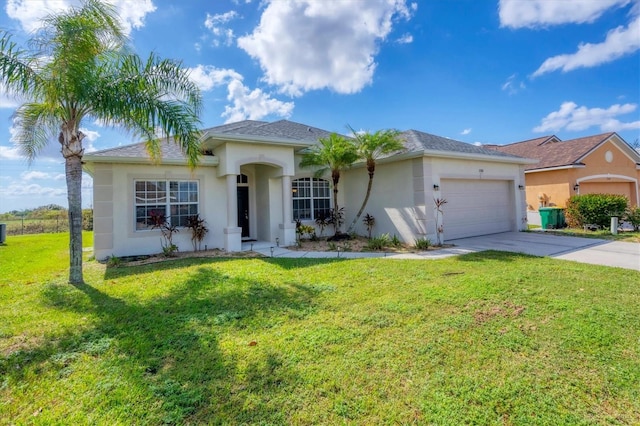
[
  {"x": 78, "y": 67},
  {"x": 334, "y": 153},
  {"x": 370, "y": 147}
]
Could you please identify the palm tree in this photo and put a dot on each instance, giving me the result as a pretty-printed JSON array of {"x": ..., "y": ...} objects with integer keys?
[
  {"x": 333, "y": 154},
  {"x": 78, "y": 67},
  {"x": 370, "y": 147}
]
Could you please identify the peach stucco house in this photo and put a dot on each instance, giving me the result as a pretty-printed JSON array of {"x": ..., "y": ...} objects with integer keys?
[
  {"x": 249, "y": 187},
  {"x": 602, "y": 163}
]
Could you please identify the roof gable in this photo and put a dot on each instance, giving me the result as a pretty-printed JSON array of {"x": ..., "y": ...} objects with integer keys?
[
  {"x": 416, "y": 141},
  {"x": 551, "y": 152}
]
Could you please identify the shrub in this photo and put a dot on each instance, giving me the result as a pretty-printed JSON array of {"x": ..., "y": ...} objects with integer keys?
[
  {"x": 395, "y": 241},
  {"x": 87, "y": 219},
  {"x": 594, "y": 209},
  {"x": 379, "y": 242},
  {"x": 422, "y": 243},
  {"x": 198, "y": 230},
  {"x": 632, "y": 215}
]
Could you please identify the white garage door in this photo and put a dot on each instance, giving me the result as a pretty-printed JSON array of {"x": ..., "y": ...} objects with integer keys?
[{"x": 476, "y": 207}]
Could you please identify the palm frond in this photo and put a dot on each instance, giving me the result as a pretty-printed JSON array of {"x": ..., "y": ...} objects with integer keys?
[
  {"x": 36, "y": 125},
  {"x": 17, "y": 68}
]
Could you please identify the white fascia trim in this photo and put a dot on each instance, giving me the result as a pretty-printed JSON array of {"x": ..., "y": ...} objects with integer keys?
[
  {"x": 549, "y": 169},
  {"x": 449, "y": 154},
  {"x": 203, "y": 161},
  {"x": 482, "y": 157}
]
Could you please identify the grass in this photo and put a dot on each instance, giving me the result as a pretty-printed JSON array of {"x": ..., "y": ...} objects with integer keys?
[
  {"x": 605, "y": 234},
  {"x": 486, "y": 338}
]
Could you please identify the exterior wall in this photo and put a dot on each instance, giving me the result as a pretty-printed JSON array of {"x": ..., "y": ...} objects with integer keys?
[
  {"x": 548, "y": 189},
  {"x": 113, "y": 195},
  {"x": 402, "y": 198},
  {"x": 392, "y": 202}
]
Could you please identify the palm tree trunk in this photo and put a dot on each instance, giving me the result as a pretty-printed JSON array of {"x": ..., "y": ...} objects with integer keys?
[
  {"x": 73, "y": 168},
  {"x": 364, "y": 204}
]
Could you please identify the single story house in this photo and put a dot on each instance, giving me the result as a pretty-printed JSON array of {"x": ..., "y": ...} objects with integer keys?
[
  {"x": 602, "y": 163},
  {"x": 249, "y": 186}
]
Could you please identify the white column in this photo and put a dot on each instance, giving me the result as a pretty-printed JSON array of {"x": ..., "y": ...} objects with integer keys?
[
  {"x": 232, "y": 201},
  {"x": 287, "y": 227},
  {"x": 232, "y": 233},
  {"x": 287, "y": 205}
]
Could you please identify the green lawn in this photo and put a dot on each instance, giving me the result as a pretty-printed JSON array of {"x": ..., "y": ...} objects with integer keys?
[{"x": 486, "y": 338}]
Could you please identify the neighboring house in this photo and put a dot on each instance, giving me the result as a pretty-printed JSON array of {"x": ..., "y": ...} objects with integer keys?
[
  {"x": 596, "y": 164},
  {"x": 249, "y": 186}
]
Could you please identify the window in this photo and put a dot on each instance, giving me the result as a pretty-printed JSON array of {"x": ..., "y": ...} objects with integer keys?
[
  {"x": 311, "y": 198},
  {"x": 174, "y": 200}
]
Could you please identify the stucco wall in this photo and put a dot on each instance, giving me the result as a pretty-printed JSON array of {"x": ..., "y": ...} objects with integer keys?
[
  {"x": 392, "y": 201},
  {"x": 114, "y": 193}
]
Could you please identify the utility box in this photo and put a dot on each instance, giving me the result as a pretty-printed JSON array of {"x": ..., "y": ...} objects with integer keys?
[{"x": 3, "y": 232}]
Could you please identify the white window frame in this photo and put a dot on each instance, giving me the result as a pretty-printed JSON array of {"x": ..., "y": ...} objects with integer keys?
[
  {"x": 186, "y": 195},
  {"x": 315, "y": 190}
]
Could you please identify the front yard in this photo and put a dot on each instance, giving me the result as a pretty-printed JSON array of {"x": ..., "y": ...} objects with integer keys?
[{"x": 486, "y": 338}]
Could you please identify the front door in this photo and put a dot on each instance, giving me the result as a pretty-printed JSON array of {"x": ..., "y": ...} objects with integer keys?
[{"x": 243, "y": 210}]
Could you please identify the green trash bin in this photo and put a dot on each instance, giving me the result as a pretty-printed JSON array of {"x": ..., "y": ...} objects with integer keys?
[
  {"x": 548, "y": 217},
  {"x": 561, "y": 221}
]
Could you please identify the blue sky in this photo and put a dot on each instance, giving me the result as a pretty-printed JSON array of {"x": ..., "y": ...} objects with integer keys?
[{"x": 479, "y": 71}]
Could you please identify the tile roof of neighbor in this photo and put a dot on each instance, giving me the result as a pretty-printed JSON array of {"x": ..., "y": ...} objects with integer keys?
[
  {"x": 554, "y": 153},
  {"x": 414, "y": 141}
]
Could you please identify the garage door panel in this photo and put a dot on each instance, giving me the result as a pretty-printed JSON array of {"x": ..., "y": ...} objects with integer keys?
[{"x": 476, "y": 207}]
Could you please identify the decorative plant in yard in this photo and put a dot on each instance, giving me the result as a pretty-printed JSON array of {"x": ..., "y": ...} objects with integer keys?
[
  {"x": 336, "y": 218},
  {"x": 302, "y": 230},
  {"x": 594, "y": 209},
  {"x": 369, "y": 222},
  {"x": 370, "y": 147},
  {"x": 78, "y": 67},
  {"x": 198, "y": 230},
  {"x": 632, "y": 215},
  {"x": 332, "y": 154},
  {"x": 160, "y": 222},
  {"x": 322, "y": 222},
  {"x": 439, "y": 202}
]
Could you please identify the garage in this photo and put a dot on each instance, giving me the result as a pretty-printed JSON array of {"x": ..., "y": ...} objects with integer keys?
[{"x": 477, "y": 207}]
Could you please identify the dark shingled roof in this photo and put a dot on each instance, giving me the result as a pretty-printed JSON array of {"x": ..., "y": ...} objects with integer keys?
[
  {"x": 283, "y": 129},
  {"x": 416, "y": 141},
  {"x": 169, "y": 150},
  {"x": 555, "y": 153}
]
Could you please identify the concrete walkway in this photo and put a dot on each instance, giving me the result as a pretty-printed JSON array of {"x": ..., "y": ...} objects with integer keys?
[{"x": 584, "y": 250}]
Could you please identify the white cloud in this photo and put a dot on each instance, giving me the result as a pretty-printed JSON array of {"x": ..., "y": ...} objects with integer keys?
[
  {"x": 90, "y": 136},
  {"x": 619, "y": 42},
  {"x": 10, "y": 153},
  {"x": 535, "y": 13},
  {"x": 465, "y": 131},
  {"x": 207, "y": 77},
  {"x": 252, "y": 105},
  {"x": 18, "y": 189},
  {"x": 215, "y": 24},
  {"x": 245, "y": 104},
  {"x": 405, "y": 39},
  {"x": 512, "y": 86},
  {"x": 34, "y": 175},
  {"x": 574, "y": 118},
  {"x": 304, "y": 45},
  {"x": 30, "y": 12}
]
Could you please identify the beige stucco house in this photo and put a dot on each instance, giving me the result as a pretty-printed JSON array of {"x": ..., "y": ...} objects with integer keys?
[
  {"x": 602, "y": 163},
  {"x": 248, "y": 186}
]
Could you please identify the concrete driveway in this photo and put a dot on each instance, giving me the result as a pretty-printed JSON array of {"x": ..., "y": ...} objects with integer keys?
[{"x": 584, "y": 250}]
